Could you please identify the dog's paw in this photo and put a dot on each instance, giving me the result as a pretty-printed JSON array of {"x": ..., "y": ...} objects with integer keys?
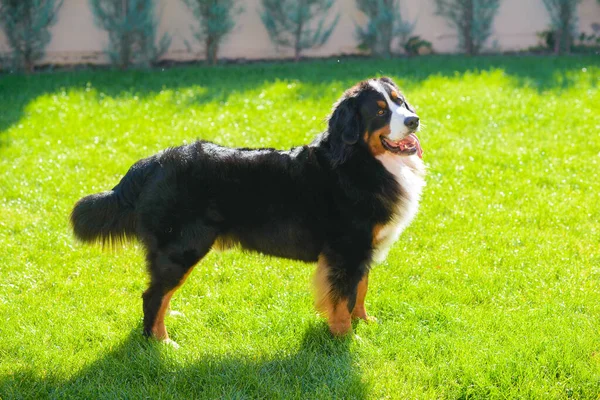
[
  {"x": 173, "y": 313},
  {"x": 170, "y": 342},
  {"x": 361, "y": 313}
]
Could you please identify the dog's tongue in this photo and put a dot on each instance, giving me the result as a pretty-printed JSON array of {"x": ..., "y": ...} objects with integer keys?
[{"x": 412, "y": 141}]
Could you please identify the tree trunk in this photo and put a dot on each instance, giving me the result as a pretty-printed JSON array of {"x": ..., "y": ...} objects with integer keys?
[
  {"x": 387, "y": 39},
  {"x": 125, "y": 50},
  {"x": 28, "y": 62},
  {"x": 564, "y": 33},
  {"x": 210, "y": 54},
  {"x": 469, "y": 46},
  {"x": 214, "y": 53},
  {"x": 298, "y": 38},
  {"x": 297, "y": 48}
]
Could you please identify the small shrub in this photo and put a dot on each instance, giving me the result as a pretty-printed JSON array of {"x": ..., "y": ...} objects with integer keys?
[
  {"x": 26, "y": 24},
  {"x": 298, "y": 24},
  {"x": 547, "y": 38},
  {"x": 131, "y": 26},
  {"x": 588, "y": 43},
  {"x": 416, "y": 46},
  {"x": 472, "y": 19},
  {"x": 215, "y": 22},
  {"x": 385, "y": 24}
]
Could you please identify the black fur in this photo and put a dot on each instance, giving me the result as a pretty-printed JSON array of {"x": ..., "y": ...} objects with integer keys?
[
  {"x": 322, "y": 199},
  {"x": 109, "y": 217}
]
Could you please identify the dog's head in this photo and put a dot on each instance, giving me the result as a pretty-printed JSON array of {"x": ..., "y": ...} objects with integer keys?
[{"x": 373, "y": 115}]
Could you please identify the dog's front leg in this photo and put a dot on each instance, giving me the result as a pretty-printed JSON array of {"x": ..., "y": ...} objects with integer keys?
[{"x": 337, "y": 284}]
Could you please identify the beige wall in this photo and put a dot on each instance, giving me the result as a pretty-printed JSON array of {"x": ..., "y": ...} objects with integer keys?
[{"x": 75, "y": 37}]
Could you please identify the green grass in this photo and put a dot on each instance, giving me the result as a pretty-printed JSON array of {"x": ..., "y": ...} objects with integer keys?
[{"x": 493, "y": 291}]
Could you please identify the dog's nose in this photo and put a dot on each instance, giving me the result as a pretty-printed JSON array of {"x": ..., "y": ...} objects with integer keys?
[{"x": 411, "y": 122}]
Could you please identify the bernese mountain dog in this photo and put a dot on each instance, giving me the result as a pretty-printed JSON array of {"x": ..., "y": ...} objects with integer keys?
[{"x": 340, "y": 202}]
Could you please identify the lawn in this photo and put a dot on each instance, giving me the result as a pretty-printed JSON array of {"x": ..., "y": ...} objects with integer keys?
[{"x": 492, "y": 292}]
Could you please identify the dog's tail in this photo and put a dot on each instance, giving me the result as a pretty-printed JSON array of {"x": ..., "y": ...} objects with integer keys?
[{"x": 109, "y": 217}]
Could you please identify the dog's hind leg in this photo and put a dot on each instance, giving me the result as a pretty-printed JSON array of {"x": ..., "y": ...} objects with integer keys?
[{"x": 169, "y": 267}]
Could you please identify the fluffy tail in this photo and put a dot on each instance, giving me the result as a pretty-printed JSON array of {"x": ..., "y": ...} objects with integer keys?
[
  {"x": 109, "y": 217},
  {"x": 102, "y": 218}
]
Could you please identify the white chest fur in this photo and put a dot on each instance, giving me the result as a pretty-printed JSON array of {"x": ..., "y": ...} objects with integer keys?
[{"x": 409, "y": 173}]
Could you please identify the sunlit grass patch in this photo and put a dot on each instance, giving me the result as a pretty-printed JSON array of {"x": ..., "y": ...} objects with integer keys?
[{"x": 492, "y": 292}]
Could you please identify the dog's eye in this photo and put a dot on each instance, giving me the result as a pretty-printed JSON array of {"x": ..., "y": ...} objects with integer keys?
[{"x": 381, "y": 112}]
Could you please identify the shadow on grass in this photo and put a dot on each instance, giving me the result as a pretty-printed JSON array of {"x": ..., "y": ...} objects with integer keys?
[
  {"x": 543, "y": 73},
  {"x": 321, "y": 368}
]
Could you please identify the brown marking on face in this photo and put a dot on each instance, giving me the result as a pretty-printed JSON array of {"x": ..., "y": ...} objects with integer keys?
[
  {"x": 359, "y": 308},
  {"x": 394, "y": 95},
  {"x": 382, "y": 104},
  {"x": 373, "y": 140},
  {"x": 159, "y": 330},
  {"x": 336, "y": 310}
]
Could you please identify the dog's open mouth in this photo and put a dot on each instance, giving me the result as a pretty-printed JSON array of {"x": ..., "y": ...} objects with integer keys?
[{"x": 408, "y": 146}]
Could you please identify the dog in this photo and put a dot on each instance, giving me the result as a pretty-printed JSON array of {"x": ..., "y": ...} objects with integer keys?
[{"x": 340, "y": 202}]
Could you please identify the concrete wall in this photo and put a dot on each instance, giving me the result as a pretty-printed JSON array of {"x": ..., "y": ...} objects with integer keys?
[{"x": 75, "y": 37}]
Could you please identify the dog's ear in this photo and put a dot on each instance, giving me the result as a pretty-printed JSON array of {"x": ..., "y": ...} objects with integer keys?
[
  {"x": 389, "y": 81},
  {"x": 344, "y": 129}
]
